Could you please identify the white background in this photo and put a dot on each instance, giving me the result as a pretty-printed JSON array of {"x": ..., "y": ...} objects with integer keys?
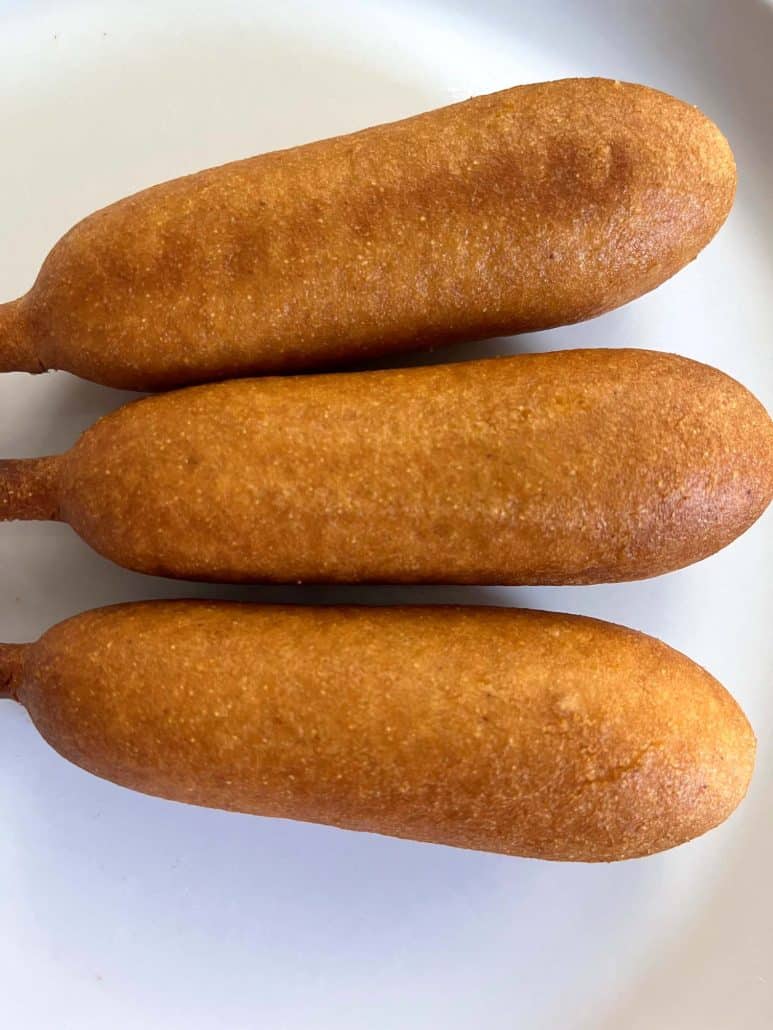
[{"x": 119, "y": 910}]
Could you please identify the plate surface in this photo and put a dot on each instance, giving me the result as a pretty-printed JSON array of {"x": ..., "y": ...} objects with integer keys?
[{"x": 124, "y": 911}]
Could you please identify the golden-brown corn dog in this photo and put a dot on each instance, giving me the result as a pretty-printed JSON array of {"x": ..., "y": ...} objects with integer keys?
[
  {"x": 528, "y": 733},
  {"x": 572, "y": 467},
  {"x": 534, "y": 207}
]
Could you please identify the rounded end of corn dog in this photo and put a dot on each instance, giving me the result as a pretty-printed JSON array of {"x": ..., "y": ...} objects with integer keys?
[
  {"x": 16, "y": 350},
  {"x": 688, "y": 771},
  {"x": 28, "y": 489},
  {"x": 631, "y": 184},
  {"x": 716, "y": 484},
  {"x": 678, "y": 177},
  {"x": 11, "y": 667}
]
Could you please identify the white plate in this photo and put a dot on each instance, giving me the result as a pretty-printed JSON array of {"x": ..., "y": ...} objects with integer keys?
[{"x": 124, "y": 911}]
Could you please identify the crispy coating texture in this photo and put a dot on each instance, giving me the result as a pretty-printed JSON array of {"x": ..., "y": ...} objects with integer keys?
[
  {"x": 527, "y": 733},
  {"x": 534, "y": 207},
  {"x": 571, "y": 467},
  {"x": 28, "y": 488}
]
